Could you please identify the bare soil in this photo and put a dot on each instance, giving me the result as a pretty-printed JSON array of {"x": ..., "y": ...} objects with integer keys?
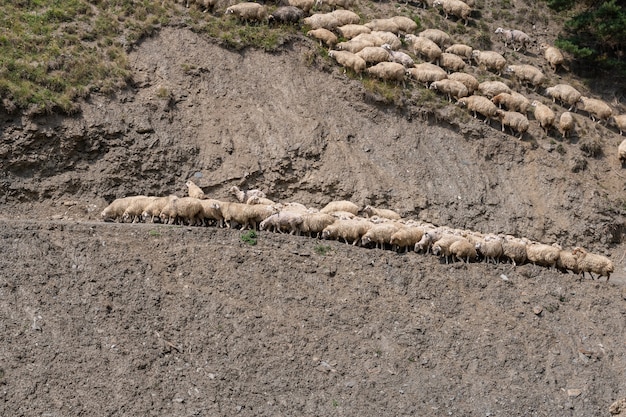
[{"x": 145, "y": 319}]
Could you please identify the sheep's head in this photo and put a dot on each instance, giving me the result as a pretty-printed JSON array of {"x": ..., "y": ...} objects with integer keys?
[{"x": 499, "y": 30}]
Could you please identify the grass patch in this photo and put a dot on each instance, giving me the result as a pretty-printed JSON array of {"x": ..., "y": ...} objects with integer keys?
[
  {"x": 322, "y": 249},
  {"x": 250, "y": 237},
  {"x": 154, "y": 233}
]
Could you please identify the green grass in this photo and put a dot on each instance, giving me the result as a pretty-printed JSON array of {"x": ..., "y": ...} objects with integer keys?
[{"x": 250, "y": 237}]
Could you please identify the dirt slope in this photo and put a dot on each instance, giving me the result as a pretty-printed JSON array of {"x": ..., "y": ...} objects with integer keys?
[{"x": 110, "y": 319}]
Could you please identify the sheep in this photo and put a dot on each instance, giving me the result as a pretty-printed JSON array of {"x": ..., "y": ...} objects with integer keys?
[
  {"x": 243, "y": 196},
  {"x": 512, "y": 101},
  {"x": 490, "y": 60},
  {"x": 467, "y": 79},
  {"x": 479, "y": 104},
  {"x": 493, "y": 88},
  {"x": 386, "y": 25},
  {"x": 212, "y": 211},
  {"x": 343, "y": 215},
  {"x": 255, "y": 199},
  {"x": 406, "y": 237},
  {"x": 349, "y": 230},
  {"x": 553, "y": 55},
  {"x": 346, "y": 17},
  {"x": 324, "y": 36},
  {"x": 349, "y": 60},
  {"x": 135, "y": 209},
  {"x": 424, "y": 47},
  {"x": 565, "y": 94},
  {"x": 567, "y": 262},
  {"x": 314, "y": 223},
  {"x": 248, "y": 11},
  {"x": 185, "y": 210},
  {"x": 544, "y": 115},
  {"x": 305, "y": 5},
  {"x": 442, "y": 245},
  {"x": 370, "y": 211},
  {"x": 566, "y": 124},
  {"x": 283, "y": 220},
  {"x": 527, "y": 74},
  {"x": 388, "y": 38},
  {"x": 620, "y": 122},
  {"x": 205, "y": 5},
  {"x": 345, "y": 4},
  {"x": 194, "y": 191},
  {"x": 596, "y": 109},
  {"x": 387, "y": 71},
  {"x": 454, "y": 7},
  {"x": 515, "y": 121},
  {"x": 542, "y": 254},
  {"x": 590, "y": 262},
  {"x": 514, "y": 36},
  {"x": 351, "y": 31},
  {"x": 286, "y": 15},
  {"x": 438, "y": 36},
  {"x": 426, "y": 242},
  {"x": 427, "y": 73},
  {"x": 514, "y": 249},
  {"x": 380, "y": 234},
  {"x": 115, "y": 210},
  {"x": 398, "y": 56},
  {"x": 246, "y": 215},
  {"x": 321, "y": 20},
  {"x": 451, "y": 62},
  {"x": 373, "y": 54},
  {"x": 369, "y": 39},
  {"x": 153, "y": 209},
  {"x": 463, "y": 250},
  {"x": 462, "y": 50},
  {"x": 450, "y": 88},
  {"x": 621, "y": 152},
  {"x": 340, "y": 205},
  {"x": 405, "y": 24},
  {"x": 490, "y": 249}
]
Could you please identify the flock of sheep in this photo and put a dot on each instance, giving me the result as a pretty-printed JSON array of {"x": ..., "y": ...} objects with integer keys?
[
  {"x": 345, "y": 221},
  {"x": 388, "y": 49}
]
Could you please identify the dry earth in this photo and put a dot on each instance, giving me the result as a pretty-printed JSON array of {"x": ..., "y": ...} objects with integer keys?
[{"x": 119, "y": 319}]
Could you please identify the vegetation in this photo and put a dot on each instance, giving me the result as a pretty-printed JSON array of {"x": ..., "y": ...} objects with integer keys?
[{"x": 249, "y": 237}]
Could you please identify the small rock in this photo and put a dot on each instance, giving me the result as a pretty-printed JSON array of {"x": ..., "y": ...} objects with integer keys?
[
  {"x": 537, "y": 310},
  {"x": 504, "y": 277},
  {"x": 573, "y": 392}
]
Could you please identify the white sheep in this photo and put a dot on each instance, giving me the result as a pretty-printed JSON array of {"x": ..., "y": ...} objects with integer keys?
[
  {"x": 490, "y": 249},
  {"x": 438, "y": 36},
  {"x": 255, "y": 199},
  {"x": 493, "y": 88},
  {"x": 566, "y": 124},
  {"x": 305, "y": 5},
  {"x": 346, "y": 17},
  {"x": 467, "y": 79},
  {"x": 479, "y": 104},
  {"x": 590, "y": 262},
  {"x": 619, "y": 121},
  {"x": 212, "y": 211},
  {"x": 426, "y": 73},
  {"x": 380, "y": 234},
  {"x": 351, "y": 31},
  {"x": 565, "y": 94},
  {"x": 514, "y": 120},
  {"x": 153, "y": 209},
  {"x": 243, "y": 196},
  {"x": 514, "y": 249},
  {"x": 544, "y": 115},
  {"x": 405, "y": 24},
  {"x": 388, "y": 38},
  {"x": 463, "y": 250},
  {"x": 343, "y": 215},
  {"x": 184, "y": 210},
  {"x": 462, "y": 50},
  {"x": 451, "y": 62},
  {"x": 349, "y": 60},
  {"x": 386, "y": 25},
  {"x": 425, "y": 243},
  {"x": 424, "y": 47},
  {"x": 543, "y": 254},
  {"x": 248, "y": 11},
  {"x": 514, "y": 36},
  {"x": 340, "y": 205},
  {"x": 454, "y": 7},
  {"x": 349, "y": 230},
  {"x": 354, "y": 45},
  {"x": 387, "y": 71},
  {"x": 194, "y": 191},
  {"x": 370, "y": 211},
  {"x": 406, "y": 237},
  {"x": 596, "y": 108},
  {"x": 324, "y": 36},
  {"x": 441, "y": 247},
  {"x": 321, "y": 20},
  {"x": 373, "y": 54},
  {"x": 135, "y": 209},
  {"x": 527, "y": 74},
  {"x": 512, "y": 101},
  {"x": 621, "y": 152},
  {"x": 398, "y": 56},
  {"x": 246, "y": 215},
  {"x": 283, "y": 221},
  {"x": 450, "y": 88},
  {"x": 115, "y": 210},
  {"x": 313, "y": 224},
  {"x": 553, "y": 55},
  {"x": 490, "y": 60},
  {"x": 567, "y": 262},
  {"x": 332, "y": 4}
]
